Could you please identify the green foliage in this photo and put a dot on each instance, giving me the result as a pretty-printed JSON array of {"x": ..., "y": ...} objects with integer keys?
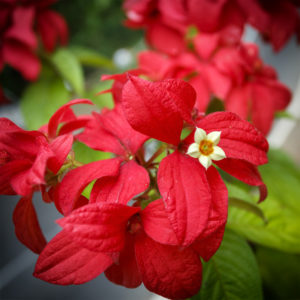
[
  {"x": 281, "y": 208},
  {"x": 91, "y": 58},
  {"x": 85, "y": 154},
  {"x": 232, "y": 273},
  {"x": 280, "y": 273},
  {"x": 69, "y": 68},
  {"x": 215, "y": 104},
  {"x": 98, "y": 24},
  {"x": 42, "y": 98},
  {"x": 101, "y": 100}
]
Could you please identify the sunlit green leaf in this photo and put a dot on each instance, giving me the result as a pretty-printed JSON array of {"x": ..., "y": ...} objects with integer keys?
[
  {"x": 232, "y": 273},
  {"x": 281, "y": 208},
  {"x": 247, "y": 206},
  {"x": 85, "y": 154},
  {"x": 92, "y": 58},
  {"x": 42, "y": 98},
  {"x": 69, "y": 68}
]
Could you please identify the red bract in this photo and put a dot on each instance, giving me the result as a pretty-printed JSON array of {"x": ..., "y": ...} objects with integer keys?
[
  {"x": 167, "y": 22},
  {"x": 235, "y": 75},
  {"x": 20, "y": 22},
  {"x": 129, "y": 256},
  {"x": 28, "y": 160},
  {"x": 239, "y": 139}
]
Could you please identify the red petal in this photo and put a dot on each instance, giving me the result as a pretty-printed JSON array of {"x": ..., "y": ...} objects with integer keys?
[
  {"x": 238, "y": 101},
  {"x": 210, "y": 240},
  {"x": 58, "y": 115},
  {"x": 165, "y": 39},
  {"x": 169, "y": 271},
  {"x": 61, "y": 146},
  {"x": 184, "y": 188},
  {"x": 73, "y": 125},
  {"x": 27, "y": 226},
  {"x": 245, "y": 172},
  {"x": 157, "y": 225},
  {"x": 52, "y": 27},
  {"x": 21, "y": 58},
  {"x": 132, "y": 180},
  {"x": 125, "y": 272},
  {"x": 22, "y": 28},
  {"x": 158, "y": 108},
  {"x": 24, "y": 182},
  {"x": 239, "y": 138},
  {"x": 76, "y": 180},
  {"x": 99, "y": 227},
  {"x": 206, "y": 14},
  {"x": 110, "y": 131},
  {"x": 8, "y": 171},
  {"x": 64, "y": 262}
]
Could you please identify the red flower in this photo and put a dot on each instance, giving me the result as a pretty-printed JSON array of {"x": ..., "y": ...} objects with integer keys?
[
  {"x": 28, "y": 160},
  {"x": 235, "y": 75},
  {"x": 20, "y": 22},
  {"x": 160, "y": 109},
  {"x": 128, "y": 243}
]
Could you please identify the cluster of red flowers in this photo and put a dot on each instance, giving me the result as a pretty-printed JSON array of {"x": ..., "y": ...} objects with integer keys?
[
  {"x": 166, "y": 22},
  {"x": 150, "y": 220},
  {"x": 179, "y": 206},
  {"x": 22, "y": 23},
  {"x": 211, "y": 56}
]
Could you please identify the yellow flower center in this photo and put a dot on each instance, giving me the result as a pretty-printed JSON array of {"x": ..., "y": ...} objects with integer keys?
[{"x": 206, "y": 147}]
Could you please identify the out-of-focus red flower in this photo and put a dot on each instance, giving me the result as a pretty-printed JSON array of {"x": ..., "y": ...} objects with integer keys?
[
  {"x": 236, "y": 75},
  {"x": 166, "y": 22},
  {"x": 256, "y": 93},
  {"x": 30, "y": 161},
  {"x": 22, "y": 24}
]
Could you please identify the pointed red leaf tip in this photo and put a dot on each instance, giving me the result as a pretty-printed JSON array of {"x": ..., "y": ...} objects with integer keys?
[
  {"x": 99, "y": 227},
  {"x": 244, "y": 171},
  {"x": 57, "y": 116},
  {"x": 186, "y": 194},
  {"x": 68, "y": 192},
  {"x": 158, "y": 108},
  {"x": 52, "y": 28},
  {"x": 170, "y": 271},
  {"x": 111, "y": 132},
  {"x": 157, "y": 225},
  {"x": 64, "y": 262},
  {"x": 125, "y": 271},
  {"x": 210, "y": 240},
  {"x": 27, "y": 227},
  {"x": 239, "y": 138},
  {"x": 61, "y": 146},
  {"x": 132, "y": 180}
]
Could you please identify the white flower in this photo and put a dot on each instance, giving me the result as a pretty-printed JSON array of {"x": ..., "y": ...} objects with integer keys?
[{"x": 205, "y": 147}]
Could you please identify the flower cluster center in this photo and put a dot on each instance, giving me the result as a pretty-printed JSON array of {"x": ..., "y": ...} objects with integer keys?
[{"x": 206, "y": 147}]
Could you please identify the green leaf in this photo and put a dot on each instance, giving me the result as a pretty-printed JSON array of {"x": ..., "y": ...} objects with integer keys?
[
  {"x": 92, "y": 58},
  {"x": 85, "y": 154},
  {"x": 281, "y": 208},
  {"x": 280, "y": 273},
  {"x": 69, "y": 68},
  {"x": 284, "y": 114},
  {"x": 42, "y": 98},
  {"x": 247, "y": 206},
  {"x": 101, "y": 100},
  {"x": 232, "y": 273},
  {"x": 215, "y": 104}
]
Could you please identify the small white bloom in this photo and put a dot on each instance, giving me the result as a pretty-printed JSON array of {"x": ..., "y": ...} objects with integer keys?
[{"x": 205, "y": 147}]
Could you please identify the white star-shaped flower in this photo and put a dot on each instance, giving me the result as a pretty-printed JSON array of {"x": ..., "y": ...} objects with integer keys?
[{"x": 205, "y": 147}]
